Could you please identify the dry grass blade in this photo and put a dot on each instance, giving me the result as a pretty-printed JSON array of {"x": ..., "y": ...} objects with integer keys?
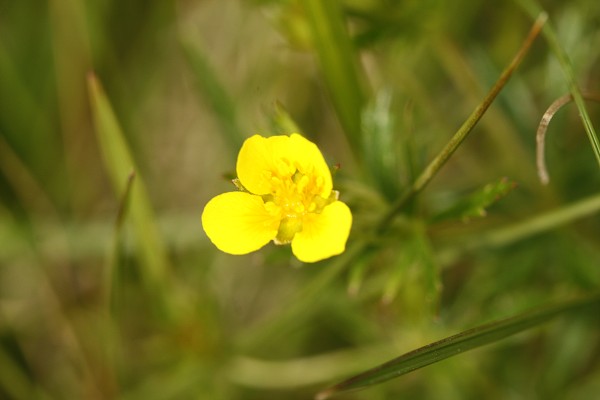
[{"x": 543, "y": 128}]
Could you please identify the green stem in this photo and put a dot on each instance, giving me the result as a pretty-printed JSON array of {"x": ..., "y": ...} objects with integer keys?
[
  {"x": 521, "y": 230},
  {"x": 541, "y": 223},
  {"x": 436, "y": 164}
]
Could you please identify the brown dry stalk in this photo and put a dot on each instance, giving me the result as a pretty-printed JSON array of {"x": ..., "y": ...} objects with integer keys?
[{"x": 540, "y": 136}]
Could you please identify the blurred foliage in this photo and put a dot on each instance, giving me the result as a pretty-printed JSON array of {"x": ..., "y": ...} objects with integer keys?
[{"x": 381, "y": 86}]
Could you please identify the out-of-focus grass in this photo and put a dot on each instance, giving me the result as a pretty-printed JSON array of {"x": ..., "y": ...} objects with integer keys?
[{"x": 381, "y": 87}]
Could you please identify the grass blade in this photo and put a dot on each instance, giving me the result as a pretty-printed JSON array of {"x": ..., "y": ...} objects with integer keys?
[
  {"x": 336, "y": 56},
  {"x": 211, "y": 89},
  {"x": 119, "y": 164},
  {"x": 543, "y": 222},
  {"x": 457, "y": 344}
]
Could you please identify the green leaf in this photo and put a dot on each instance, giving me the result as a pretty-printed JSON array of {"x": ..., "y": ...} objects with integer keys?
[
  {"x": 457, "y": 344},
  {"x": 119, "y": 164},
  {"x": 476, "y": 204}
]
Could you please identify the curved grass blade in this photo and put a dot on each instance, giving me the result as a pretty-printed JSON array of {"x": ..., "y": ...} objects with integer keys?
[
  {"x": 543, "y": 127},
  {"x": 454, "y": 345}
]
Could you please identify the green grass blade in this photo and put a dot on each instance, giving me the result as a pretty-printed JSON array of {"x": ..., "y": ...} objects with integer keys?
[
  {"x": 543, "y": 222},
  {"x": 23, "y": 111},
  {"x": 336, "y": 55},
  {"x": 119, "y": 163},
  {"x": 210, "y": 88},
  {"x": 111, "y": 296},
  {"x": 457, "y": 344},
  {"x": 521, "y": 230}
]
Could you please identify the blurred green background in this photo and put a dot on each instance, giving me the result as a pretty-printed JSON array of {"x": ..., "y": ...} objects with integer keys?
[{"x": 113, "y": 291}]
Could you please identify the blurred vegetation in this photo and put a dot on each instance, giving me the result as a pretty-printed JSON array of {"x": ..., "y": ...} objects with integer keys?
[{"x": 109, "y": 287}]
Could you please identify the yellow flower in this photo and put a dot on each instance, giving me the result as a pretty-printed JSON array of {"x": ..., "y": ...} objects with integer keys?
[{"x": 286, "y": 196}]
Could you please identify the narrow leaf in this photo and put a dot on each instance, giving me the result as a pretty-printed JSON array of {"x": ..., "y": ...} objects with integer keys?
[
  {"x": 476, "y": 204},
  {"x": 457, "y": 344},
  {"x": 211, "y": 89},
  {"x": 340, "y": 68},
  {"x": 119, "y": 164},
  {"x": 380, "y": 147}
]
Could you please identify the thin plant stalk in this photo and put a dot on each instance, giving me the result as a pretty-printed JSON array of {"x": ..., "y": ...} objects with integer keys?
[
  {"x": 444, "y": 155},
  {"x": 260, "y": 334},
  {"x": 543, "y": 128},
  {"x": 507, "y": 235}
]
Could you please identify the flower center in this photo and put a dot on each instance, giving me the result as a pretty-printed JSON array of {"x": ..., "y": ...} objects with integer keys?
[{"x": 294, "y": 194}]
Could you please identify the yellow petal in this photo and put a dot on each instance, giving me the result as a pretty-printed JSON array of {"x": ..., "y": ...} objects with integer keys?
[
  {"x": 307, "y": 156},
  {"x": 260, "y": 157},
  {"x": 323, "y": 235},
  {"x": 257, "y": 159},
  {"x": 238, "y": 222}
]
